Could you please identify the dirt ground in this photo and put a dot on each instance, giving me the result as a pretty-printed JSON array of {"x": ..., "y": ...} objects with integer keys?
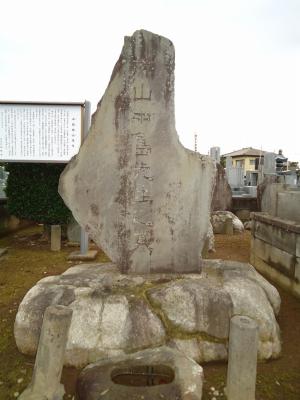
[{"x": 29, "y": 259}]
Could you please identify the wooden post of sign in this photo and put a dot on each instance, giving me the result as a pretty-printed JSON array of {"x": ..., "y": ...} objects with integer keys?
[{"x": 85, "y": 254}]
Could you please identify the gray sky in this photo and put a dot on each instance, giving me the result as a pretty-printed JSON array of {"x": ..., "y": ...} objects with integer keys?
[{"x": 237, "y": 76}]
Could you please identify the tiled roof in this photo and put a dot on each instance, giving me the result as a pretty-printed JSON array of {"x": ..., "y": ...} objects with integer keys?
[{"x": 246, "y": 151}]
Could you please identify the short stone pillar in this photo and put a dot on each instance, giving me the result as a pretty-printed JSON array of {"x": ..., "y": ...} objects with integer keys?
[
  {"x": 45, "y": 383},
  {"x": 55, "y": 237},
  {"x": 242, "y": 358}
]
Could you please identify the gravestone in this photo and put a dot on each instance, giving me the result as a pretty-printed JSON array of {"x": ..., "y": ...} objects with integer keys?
[
  {"x": 215, "y": 153},
  {"x": 141, "y": 196},
  {"x": 270, "y": 163},
  {"x": 222, "y": 195}
]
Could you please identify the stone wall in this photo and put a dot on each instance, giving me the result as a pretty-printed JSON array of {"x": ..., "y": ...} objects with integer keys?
[{"x": 275, "y": 250}]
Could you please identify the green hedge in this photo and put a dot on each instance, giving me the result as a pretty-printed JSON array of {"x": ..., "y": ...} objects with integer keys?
[{"x": 32, "y": 191}]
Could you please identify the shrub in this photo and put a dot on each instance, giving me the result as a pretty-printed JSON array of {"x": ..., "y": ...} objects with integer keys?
[{"x": 32, "y": 191}]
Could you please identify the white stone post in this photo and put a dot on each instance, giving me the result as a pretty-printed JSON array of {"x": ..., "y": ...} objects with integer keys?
[
  {"x": 242, "y": 359},
  {"x": 45, "y": 383},
  {"x": 55, "y": 237}
]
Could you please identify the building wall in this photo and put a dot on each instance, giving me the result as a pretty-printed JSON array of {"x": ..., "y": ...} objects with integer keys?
[{"x": 246, "y": 161}]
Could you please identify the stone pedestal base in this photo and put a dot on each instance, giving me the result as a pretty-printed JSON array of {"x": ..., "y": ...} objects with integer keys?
[{"x": 116, "y": 314}]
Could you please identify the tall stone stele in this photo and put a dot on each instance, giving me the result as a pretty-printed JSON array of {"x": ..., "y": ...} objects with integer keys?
[{"x": 142, "y": 197}]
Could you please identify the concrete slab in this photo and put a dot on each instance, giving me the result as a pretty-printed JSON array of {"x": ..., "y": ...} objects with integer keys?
[{"x": 77, "y": 256}]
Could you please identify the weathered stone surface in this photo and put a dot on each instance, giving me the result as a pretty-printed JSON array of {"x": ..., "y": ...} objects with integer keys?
[
  {"x": 247, "y": 289},
  {"x": 195, "y": 306},
  {"x": 142, "y": 197},
  {"x": 168, "y": 374},
  {"x": 115, "y": 313},
  {"x": 219, "y": 219},
  {"x": 29, "y": 319},
  {"x": 242, "y": 358},
  {"x": 245, "y": 272},
  {"x": 200, "y": 350},
  {"x": 222, "y": 195}
]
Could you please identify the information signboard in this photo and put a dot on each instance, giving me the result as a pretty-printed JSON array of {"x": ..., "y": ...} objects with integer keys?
[{"x": 40, "y": 132}]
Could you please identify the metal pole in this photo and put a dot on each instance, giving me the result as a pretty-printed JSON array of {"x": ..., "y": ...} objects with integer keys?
[{"x": 84, "y": 237}]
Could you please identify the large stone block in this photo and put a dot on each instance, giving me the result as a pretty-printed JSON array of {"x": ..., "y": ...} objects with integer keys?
[{"x": 142, "y": 197}]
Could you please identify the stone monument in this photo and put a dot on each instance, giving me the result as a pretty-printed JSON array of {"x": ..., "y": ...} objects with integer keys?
[
  {"x": 146, "y": 200},
  {"x": 142, "y": 197}
]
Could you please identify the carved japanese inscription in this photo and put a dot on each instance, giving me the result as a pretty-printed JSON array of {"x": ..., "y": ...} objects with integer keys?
[{"x": 152, "y": 195}]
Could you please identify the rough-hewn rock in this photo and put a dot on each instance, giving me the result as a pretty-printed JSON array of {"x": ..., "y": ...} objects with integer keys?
[
  {"x": 114, "y": 313},
  {"x": 218, "y": 220},
  {"x": 161, "y": 373},
  {"x": 142, "y": 197},
  {"x": 193, "y": 306}
]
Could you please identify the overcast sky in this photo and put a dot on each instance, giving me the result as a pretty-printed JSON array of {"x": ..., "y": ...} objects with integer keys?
[{"x": 237, "y": 76}]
